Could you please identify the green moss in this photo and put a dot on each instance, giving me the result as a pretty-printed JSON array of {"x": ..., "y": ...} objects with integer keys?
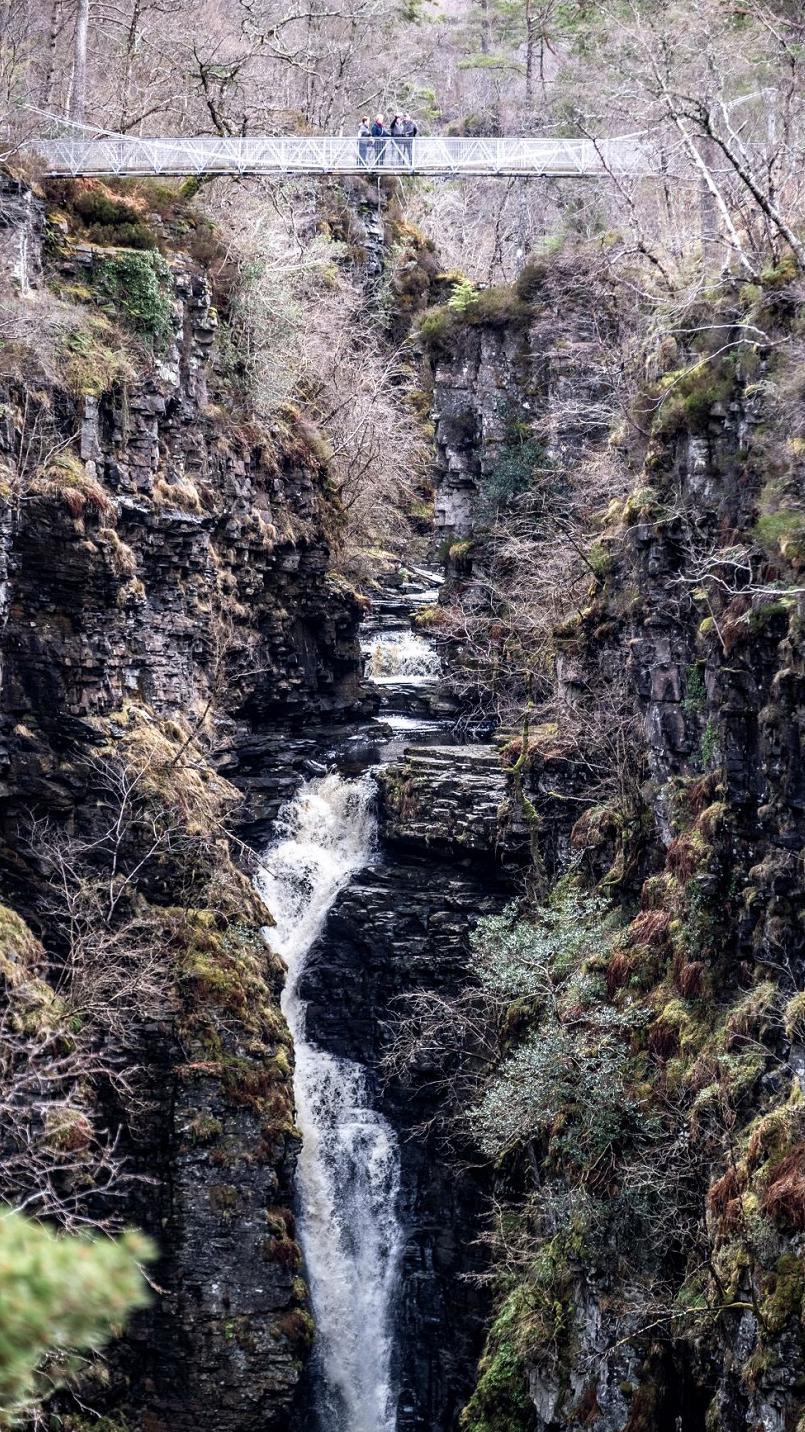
[
  {"x": 92, "y": 359},
  {"x": 500, "y": 1402},
  {"x": 783, "y": 1296},
  {"x": 422, "y": 511},
  {"x": 767, "y": 613},
  {"x": 641, "y": 506},
  {"x": 795, "y": 1017},
  {"x": 431, "y": 618},
  {"x": 687, "y": 397},
  {"x": 20, "y": 951},
  {"x": 459, "y": 551},
  {"x": 772, "y": 1135},
  {"x": 782, "y": 533},
  {"x": 205, "y": 1128},
  {"x": 498, "y": 307},
  {"x": 600, "y": 559},
  {"x": 779, "y": 274}
]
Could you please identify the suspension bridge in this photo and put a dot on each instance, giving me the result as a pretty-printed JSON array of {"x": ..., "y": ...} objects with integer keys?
[{"x": 119, "y": 155}]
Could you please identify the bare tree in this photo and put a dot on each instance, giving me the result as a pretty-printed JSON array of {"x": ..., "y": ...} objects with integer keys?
[{"x": 78, "y": 86}]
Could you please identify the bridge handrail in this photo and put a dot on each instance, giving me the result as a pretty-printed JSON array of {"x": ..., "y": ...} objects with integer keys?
[{"x": 339, "y": 154}]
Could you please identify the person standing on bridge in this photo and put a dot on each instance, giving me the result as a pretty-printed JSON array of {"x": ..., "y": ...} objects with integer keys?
[
  {"x": 379, "y": 134},
  {"x": 410, "y": 131},
  {"x": 365, "y": 142},
  {"x": 397, "y": 131}
]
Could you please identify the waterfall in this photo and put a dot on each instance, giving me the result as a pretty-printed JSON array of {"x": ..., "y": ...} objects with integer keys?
[
  {"x": 348, "y": 1173},
  {"x": 401, "y": 654}
]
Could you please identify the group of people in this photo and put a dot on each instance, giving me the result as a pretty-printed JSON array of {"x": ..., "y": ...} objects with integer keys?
[{"x": 378, "y": 145}]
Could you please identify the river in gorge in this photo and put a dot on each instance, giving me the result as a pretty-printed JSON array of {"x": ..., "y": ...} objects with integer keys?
[
  {"x": 350, "y": 1217},
  {"x": 348, "y": 1174}
]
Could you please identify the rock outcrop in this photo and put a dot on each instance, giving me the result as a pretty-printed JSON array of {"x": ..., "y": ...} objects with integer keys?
[
  {"x": 168, "y": 616},
  {"x": 686, "y": 809}
]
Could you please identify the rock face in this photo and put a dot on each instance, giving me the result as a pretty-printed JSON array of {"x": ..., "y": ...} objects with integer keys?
[
  {"x": 494, "y": 379},
  {"x": 172, "y": 635},
  {"x": 694, "y": 618},
  {"x": 168, "y": 614}
]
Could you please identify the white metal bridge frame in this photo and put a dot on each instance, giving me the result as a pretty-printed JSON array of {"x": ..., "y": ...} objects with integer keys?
[{"x": 118, "y": 156}]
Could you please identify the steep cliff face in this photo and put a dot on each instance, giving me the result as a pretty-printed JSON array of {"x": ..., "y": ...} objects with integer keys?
[
  {"x": 685, "y": 810},
  {"x": 504, "y": 371},
  {"x": 169, "y": 618},
  {"x": 173, "y": 639}
]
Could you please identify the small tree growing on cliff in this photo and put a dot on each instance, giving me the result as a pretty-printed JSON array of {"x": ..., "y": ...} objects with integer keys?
[{"x": 60, "y": 1297}]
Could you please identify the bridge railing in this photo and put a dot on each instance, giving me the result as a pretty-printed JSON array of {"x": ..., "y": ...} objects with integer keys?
[{"x": 327, "y": 154}]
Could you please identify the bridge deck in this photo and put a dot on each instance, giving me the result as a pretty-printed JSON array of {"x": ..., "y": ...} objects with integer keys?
[{"x": 327, "y": 154}]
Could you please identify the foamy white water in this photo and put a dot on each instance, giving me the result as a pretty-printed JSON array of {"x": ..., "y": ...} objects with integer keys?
[
  {"x": 348, "y": 1174},
  {"x": 396, "y": 654}
]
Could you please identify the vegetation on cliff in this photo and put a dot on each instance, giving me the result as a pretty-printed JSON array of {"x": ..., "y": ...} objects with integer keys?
[
  {"x": 631, "y": 1066},
  {"x": 207, "y": 391},
  {"x": 62, "y": 1297}
]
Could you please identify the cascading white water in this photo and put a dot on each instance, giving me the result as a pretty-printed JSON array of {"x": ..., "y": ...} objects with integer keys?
[
  {"x": 401, "y": 654},
  {"x": 349, "y": 1163}
]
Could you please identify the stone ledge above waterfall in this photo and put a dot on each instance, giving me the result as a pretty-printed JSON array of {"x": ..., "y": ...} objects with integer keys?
[{"x": 451, "y": 799}]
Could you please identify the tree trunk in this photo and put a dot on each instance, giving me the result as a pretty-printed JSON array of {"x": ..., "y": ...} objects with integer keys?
[
  {"x": 486, "y": 28},
  {"x": 132, "y": 36},
  {"x": 78, "y": 97},
  {"x": 531, "y": 32},
  {"x": 709, "y": 225},
  {"x": 49, "y": 86}
]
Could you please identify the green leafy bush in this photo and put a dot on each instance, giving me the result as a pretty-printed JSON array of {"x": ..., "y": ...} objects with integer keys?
[
  {"x": 568, "y": 1079},
  {"x": 59, "y": 1296},
  {"x": 464, "y": 294},
  {"x": 512, "y": 475},
  {"x": 97, "y": 206},
  {"x": 514, "y": 958},
  {"x": 124, "y": 236},
  {"x": 695, "y": 692},
  {"x": 138, "y": 287},
  {"x": 559, "y": 1075}
]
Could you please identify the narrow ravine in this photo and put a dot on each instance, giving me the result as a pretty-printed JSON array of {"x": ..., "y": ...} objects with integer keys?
[
  {"x": 349, "y": 1163},
  {"x": 348, "y": 1178}
]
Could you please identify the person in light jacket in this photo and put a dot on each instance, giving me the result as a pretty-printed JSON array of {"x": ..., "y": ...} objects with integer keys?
[{"x": 365, "y": 145}]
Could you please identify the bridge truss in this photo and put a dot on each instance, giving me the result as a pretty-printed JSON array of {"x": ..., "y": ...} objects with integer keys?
[{"x": 118, "y": 156}]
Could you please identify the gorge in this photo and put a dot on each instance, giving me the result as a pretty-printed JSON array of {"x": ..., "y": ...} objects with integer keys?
[{"x": 401, "y": 874}]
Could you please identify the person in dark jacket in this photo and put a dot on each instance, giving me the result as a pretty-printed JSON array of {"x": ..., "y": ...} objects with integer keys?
[
  {"x": 397, "y": 131},
  {"x": 365, "y": 145},
  {"x": 379, "y": 135},
  {"x": 411, "y": 132}
]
